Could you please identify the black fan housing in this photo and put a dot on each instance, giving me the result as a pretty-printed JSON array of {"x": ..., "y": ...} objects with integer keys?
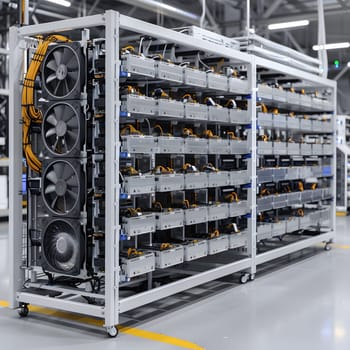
[
  {"x": 63, "y": 72},
  {"x": 63, "y": 187},
  {"x": 62, "y": 247},
  {"x": 63, "y": 129}
]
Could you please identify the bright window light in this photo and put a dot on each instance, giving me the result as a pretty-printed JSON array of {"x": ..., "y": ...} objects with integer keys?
[
  {"x": 64, "y": 3},
  {"x": 285, "y": 25},
  {"x": 333, "y": 46}
]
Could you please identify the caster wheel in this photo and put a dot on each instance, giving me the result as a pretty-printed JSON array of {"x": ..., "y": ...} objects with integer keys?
[
  {"x": 327, "y": 247},
  {"x": 252, "y": 277},
  {"x": 244, "y": 278},
  {"x": 112, "y": 331},
  {"x": 23, "y": 311}
]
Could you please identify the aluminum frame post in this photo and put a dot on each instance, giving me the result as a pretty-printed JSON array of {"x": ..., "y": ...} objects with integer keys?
[
  {"x": 252, "y": 107},
  {"x": 112, "y": 175},
  {"x": 334, "y": 159},
  {"x": 15, "y": 169}
]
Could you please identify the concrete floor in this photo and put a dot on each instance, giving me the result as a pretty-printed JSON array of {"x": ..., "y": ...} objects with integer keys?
[{"x": 302, "y": 305}]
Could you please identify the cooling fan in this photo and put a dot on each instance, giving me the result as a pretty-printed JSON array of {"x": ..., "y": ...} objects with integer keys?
[
  {"x": 62, "y": 247},
  {"x": 62, "y": 72},
  {"x": 62, "y": 130},
  {"x": 62, "y": 188}
]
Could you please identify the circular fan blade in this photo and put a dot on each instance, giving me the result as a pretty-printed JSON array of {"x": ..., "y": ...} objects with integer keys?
[
  {"x": 73, "y": 123},
  {"x": 50, "y": 189},
  {"x": 59, "y": 205},
  {"x": 69, "y": 201},
  {"x": 64, "y": 145},
  {"x": 72, "y": 182},
  {"x": 51, "y": 78},
  {"x": 67, "y": 56},
  {"x": 50, "y": 132},
  {"x": 52, "y": 119},
  {"x": 71, "y": 134},
  {"x": 73, "y": 75},
  {"x": 69, "y": 113},
  {"x": 72, "y": 64},
  {"x": 72, "y": 194},
  {"x": 52, "y": 176},
  {"x": 54, "y": 146},
  {"x": 58, "y": 54},
  {"x": 53, "y": 203},
  {"x": 59, "y": 82},
  {"x": 67, "y": 173},
  {"x": 52, "y": 65},
  {"x": 59, "y": 111},
  {"x": 66, "y": 86},
  {"x": 59, "y": 169}
]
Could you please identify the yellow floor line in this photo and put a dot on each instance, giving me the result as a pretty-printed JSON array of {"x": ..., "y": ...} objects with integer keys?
[
  {"x": 341, "y": 246},
  {"x": 341, "y": 213},
  {"x": 136, "y": 332},
  {"x": 160, "y": 338},
  {"x": 334, "y": 245},
  {"x": 4, "y": 303}
]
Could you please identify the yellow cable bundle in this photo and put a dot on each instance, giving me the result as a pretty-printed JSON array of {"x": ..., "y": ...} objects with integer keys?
[
  {"x": 162, "y": 169},
  {"x": 132, "y": 130},
  {"x": 29, "y": 112},
  {"x": 265, "y": 192},
  {"x": 232, "y": 197},
  {"x": 129, "y": 170},
  {"x": 128, "y": 49},
  {"x": 134, "y": 212},
  {"x": 209, "y": 134},
  {"x": 300, "y": 186},
  {"x": 264, "y": 108},
  {"x": 214, "y": 234},
  {"x": 188, "y": 132},
  {"x": 158, "y": 205},
  {"x": 165, "y": 246},
  {"x": 232, "y": 136},
  {"x": 133, "y": 251},
  {"x": 159, "y": 127}
]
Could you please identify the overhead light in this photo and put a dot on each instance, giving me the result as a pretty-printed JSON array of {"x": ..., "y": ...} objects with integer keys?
[
  {"x": 285, "y": 25},
  {"x": 348, "y": 64},
  {"x": 64, "y": 3},
  {"x": 333, "y": 46}
]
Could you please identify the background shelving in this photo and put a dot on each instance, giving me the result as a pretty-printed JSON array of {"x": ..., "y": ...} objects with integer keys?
[
  {"x": 296, "y": 167},
  {"x": 343, "y": 163}
]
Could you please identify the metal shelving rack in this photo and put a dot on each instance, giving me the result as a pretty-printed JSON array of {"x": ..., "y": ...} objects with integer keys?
[
  {"x": 150, "y": 228},
  {"x": 110, "y": 302},
  {"x": 297, "y": 167}
]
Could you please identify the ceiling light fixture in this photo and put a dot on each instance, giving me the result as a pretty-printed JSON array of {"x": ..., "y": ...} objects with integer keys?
[
  {"x": 285, "y": 25},
  {"x": 333, "y": 46},
  {"x": 64, "y": 3}
]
